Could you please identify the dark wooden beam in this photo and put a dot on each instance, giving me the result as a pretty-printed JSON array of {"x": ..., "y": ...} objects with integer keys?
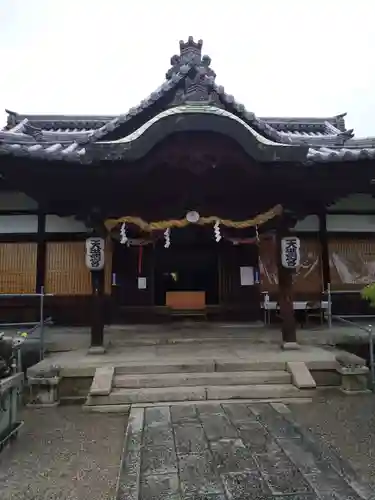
[
  {"x": 97, "y": 311},
  {"x": 95, "y": 222},
  {"x": 41, "y": 252},
  {"x": 288, "y": 327},
  {"x": 323, "y": 240}
]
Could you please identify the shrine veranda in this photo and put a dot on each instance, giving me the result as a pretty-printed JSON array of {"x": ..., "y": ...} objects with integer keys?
[{"x": 192, "y": 195}]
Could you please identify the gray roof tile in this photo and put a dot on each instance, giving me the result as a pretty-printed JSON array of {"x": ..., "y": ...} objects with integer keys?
[{"x": 65, "y": 137}]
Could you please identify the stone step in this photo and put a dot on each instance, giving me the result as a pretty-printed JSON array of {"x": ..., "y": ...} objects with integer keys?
[
  {"x": 199, "y": 379},
  {"x": 198, "y": 366},
  {"x": 120, "y": 396}
]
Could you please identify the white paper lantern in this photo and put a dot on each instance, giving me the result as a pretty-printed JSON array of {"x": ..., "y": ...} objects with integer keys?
[
  {"x": 290, "y": 252},
  {"x": 95, "y": 253}
]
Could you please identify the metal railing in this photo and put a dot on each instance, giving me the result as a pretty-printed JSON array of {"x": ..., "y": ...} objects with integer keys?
[
  {"x": 328, "y": 294},
  {"x": 369, "y": 330},
  {"x": 36, "y": 325}
]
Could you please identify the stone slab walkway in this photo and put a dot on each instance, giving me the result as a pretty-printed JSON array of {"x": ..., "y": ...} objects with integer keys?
[{"x": 229, "y": 452}]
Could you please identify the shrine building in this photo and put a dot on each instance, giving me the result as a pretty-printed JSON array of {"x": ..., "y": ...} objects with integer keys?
[{"x": 192, "y": 194}]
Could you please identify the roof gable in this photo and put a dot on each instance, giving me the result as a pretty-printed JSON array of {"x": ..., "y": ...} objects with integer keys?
[{"x": 189, "y": 81}]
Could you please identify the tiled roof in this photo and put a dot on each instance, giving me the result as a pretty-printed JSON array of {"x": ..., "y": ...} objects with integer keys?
[
  {"x": 70, "y": 137},
  {"x": 86, "y": 123},
  {"x": 21, "y": 144},
  {"x": 325, "y": 154}
]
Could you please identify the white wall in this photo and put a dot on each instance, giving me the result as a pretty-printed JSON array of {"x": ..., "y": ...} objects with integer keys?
[
  {"x": 351, "y": 223},
  {"x": 355, "y": 202},
  {"x": 354, "y": 223},
  {"x": 309, "y": 224},
  {"x": 56, "y": 224},
  {"x": 18, "y": 224},
  {"x": 14, "y": 200}
]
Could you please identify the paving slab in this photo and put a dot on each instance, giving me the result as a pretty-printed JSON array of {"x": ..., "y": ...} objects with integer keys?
[
  {"x": 102, "y": 382},
  {"x": 255, "y": 451},
  {"x": 301, "y": 375},
  {"x": 229, "y": 452}
]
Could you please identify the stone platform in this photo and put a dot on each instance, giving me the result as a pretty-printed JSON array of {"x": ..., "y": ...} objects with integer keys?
[
  {"x": 188, "y": 364},
  {"x": 237, "y": 351},
  {"x": 58, "y": 339}
]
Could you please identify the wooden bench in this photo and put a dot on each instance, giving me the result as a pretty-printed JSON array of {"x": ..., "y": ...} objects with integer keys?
[{"x": 187, "y": 304}]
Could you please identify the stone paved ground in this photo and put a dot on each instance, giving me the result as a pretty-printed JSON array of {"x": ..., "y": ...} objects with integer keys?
[
  {"x": 63, "y": 454},
  {"x": 230, "y": 451},
  {"x": 347, "y": 424},
  {"x": 195, "y": 452}
]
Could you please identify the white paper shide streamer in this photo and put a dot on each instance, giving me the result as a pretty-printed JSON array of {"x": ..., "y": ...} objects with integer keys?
[
  {"x": 167, "y": 238},
  {"x": 124, "y": 237},
  {"x": 217, "y": 231}
]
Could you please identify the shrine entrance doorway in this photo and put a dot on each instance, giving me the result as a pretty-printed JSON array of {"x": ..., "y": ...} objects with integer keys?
[{"x": 186, "y": 275}]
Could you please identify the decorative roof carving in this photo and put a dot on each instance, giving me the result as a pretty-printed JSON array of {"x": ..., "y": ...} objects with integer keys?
[
  {"x": 35, "y": 132},
  {"x": 198, "y": 85}
]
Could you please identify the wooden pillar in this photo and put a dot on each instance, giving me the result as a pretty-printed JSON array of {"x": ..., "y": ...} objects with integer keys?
[
  {"x": 288, "y": 327},
  {"x": 97, "y": 311},
  {"x": 41, "y": 252},
  {"x": 95, "y": 221},
  {"x": 323, "y": 240}
]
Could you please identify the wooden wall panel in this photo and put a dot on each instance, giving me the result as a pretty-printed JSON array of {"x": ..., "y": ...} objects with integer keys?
[
  {"x": 66, "y": 271},
  {"x": 308, "y": 276},
  {"x": 352, "y": 262},
  {"x": 125, "y": 265},
  {"x": 108, "y": 267},
  {"x": 232, "y": 258},
  {"x": 269, "y": 281},
  {"x": 18, "y": 267}
]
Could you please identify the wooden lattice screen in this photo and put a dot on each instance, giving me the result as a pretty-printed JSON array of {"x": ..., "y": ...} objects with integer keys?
[
  {"x": 18, "y": 267},
  {"x": 352, "y": 262},
  {"x": 66, "y": 271}
]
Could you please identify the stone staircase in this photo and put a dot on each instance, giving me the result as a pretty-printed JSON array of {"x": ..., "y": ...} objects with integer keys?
[{"x": 116, "y": 388}]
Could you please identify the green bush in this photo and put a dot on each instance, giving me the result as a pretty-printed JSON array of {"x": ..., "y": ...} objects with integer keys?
[{"x": 368, "y": 293}]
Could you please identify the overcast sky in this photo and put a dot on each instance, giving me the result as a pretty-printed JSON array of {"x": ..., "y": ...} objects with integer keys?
[{"x": 279, "y": 58}]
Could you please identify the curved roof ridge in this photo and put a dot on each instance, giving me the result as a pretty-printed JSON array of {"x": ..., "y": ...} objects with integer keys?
[
  {"x": 194, "y": 108},
  {"x": 134, "y": 111}
]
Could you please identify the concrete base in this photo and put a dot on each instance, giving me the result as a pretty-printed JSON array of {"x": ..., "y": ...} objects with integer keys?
[
  {"x": 354, "y": 380},
  {"x": 44, "y": 391},
  {"x": 354, "y": 374},
  {"x": 291, "y": 346},
  {"x": 96, "y": 349}
]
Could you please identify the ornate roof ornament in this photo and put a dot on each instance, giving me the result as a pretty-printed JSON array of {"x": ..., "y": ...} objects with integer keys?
[
  {"x": 35, "y": 132},
  {"x": 200, "y": 80},
  {"x": 11, "y": 118}
]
